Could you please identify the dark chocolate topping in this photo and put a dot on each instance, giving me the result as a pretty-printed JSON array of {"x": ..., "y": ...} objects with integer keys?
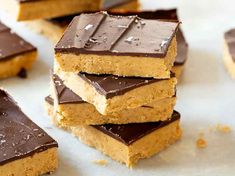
[
  {"x": 100, "y": 33},
  {"x": 12, "y": 45},
  {"x": 64, "y": 95},
  {"x": 19, "y": 136},
  {"x": 230, "y": 40},
  {"x": 130, "y": 133},
  {"x": 111, "y": 85},
  {"x": 108, "y": 4}
]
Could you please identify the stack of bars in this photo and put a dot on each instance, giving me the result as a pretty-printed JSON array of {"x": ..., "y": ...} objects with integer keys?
[{"x": 112, "y": 85}]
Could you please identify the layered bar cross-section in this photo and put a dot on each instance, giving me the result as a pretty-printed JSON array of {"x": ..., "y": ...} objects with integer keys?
[{"x": 99, "y": 43}]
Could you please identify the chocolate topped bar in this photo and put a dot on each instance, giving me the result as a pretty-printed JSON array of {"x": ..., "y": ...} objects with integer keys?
[
  {"x": 100, "y": 33},
  {"x": 19, "y": 136},
  {"x": 230, "y": 40},
  {"x": 63, "y": 94},
  {"x": 111, "y": 85},
  {"x": 129, "y": 133},
  {"x": 11, "y": 44},
  {"x": 171, "y": 15}
]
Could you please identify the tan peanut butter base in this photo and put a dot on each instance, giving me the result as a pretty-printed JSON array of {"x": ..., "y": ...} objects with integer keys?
[
  {"x": 12, "y": 66},
  {"x": 40, "y": 163},
  {"x": 73, "y": 114},
  {"x": 119, "y": 65}
]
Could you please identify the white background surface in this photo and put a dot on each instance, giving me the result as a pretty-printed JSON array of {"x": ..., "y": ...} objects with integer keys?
[{"x": 206, "y": 97}]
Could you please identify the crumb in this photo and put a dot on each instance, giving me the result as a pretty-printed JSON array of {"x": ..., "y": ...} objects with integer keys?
[
  {"x": 223, "y": 128},
  {"x": 201, "y": 142},
  {"x": 101, "y": 162}
]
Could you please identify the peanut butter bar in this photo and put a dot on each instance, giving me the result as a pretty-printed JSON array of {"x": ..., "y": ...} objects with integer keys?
[
  {"x": 25, "y": 149},
  {"x": 16, "y": 55},
  {"x": 72, "y": 110},
  {"x": 111, "y": 94},
  {"x": 99, "y": 43}
]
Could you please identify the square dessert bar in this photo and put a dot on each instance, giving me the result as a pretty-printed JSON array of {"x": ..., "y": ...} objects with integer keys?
[
  {"x": 55, "y": 27},
  {"x": 72, "y": 110},
  {"x": 44, "y": 9},
  {"x": 99, "y": 43},
  {"x": 16, "y": 55},
  {"x": 128, "y": 143},
  {"x": 229, "y": 52},
  {"x": 25, "y": 149},
  {"x": 111, "y": 94}
]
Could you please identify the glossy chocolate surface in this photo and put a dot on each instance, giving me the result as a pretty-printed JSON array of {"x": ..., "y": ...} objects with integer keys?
[
  {"x": 19, "y": 136},
  {"x": 182, "y": 45},
  {"x": 130, "y": 133},
  {"x": 100, "y": 33},
  {"x": 11, "y": 44},
  {"x": 63, "y": 94}
]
